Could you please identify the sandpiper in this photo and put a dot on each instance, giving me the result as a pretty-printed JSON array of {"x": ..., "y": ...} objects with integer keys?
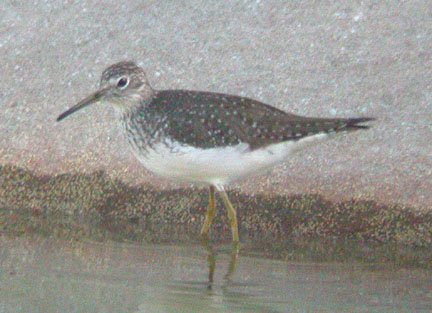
[{"x": 205, "y": 137}]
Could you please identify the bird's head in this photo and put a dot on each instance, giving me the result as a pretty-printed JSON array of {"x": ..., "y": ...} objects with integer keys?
[{"x": 123, "y": 84}]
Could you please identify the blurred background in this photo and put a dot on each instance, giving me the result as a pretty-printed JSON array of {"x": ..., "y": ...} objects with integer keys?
[{"x": 349, "y": 58}]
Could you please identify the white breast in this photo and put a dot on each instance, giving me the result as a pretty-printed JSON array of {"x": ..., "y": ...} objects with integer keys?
[{"x": 216, "y": 166}]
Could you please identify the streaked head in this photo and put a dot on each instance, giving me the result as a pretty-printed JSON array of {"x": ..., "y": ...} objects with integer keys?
[{"x": 123, "y": 84}]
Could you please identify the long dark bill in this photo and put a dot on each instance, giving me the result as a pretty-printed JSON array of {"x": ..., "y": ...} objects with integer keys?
[{"x": 96, "y": 97}]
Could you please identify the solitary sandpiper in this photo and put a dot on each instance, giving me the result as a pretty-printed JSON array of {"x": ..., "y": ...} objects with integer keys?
[{"x": 205, "y": 137}]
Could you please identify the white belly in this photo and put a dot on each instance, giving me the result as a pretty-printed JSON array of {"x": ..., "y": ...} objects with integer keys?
[{"x": 216, "y": 166}]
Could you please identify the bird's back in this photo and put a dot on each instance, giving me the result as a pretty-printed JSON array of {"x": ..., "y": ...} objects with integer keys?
[{"x": 208, "y": 120}]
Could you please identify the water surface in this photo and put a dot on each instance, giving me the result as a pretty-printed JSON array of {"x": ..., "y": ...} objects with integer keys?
[{"x": 44, "y": 275}]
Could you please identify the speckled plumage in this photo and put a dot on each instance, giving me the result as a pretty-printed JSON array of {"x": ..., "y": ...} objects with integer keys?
[
  {"x": 210, "y": 120},
  {"x": 205, "y": 137}
]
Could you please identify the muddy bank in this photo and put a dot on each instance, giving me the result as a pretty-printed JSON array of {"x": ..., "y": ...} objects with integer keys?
[{"x": 299, "y": 227}]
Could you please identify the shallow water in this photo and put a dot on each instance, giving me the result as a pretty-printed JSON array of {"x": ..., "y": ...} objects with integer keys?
[{"x": 41, "y": 275}]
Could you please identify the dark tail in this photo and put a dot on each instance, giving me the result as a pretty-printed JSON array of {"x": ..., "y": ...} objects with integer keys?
[{"x": 354, "y": 123}]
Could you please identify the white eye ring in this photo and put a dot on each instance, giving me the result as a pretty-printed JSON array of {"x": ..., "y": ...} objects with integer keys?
[{"x": 122, "y": 82}]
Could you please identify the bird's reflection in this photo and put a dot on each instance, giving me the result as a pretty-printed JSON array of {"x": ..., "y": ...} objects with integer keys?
[
  {"x": 211, "y": 259},
  {"x": 228, "y": 295}
]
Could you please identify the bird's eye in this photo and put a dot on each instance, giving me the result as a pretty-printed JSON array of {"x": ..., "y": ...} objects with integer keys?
[{"x": 122, "y": 82}]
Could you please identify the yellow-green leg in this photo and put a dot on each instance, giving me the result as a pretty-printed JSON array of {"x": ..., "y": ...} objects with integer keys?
[
  {"x": 232, "y": 216},
  {"x": 233, "y": 262},
  {"x": 211, "y": 211}
]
